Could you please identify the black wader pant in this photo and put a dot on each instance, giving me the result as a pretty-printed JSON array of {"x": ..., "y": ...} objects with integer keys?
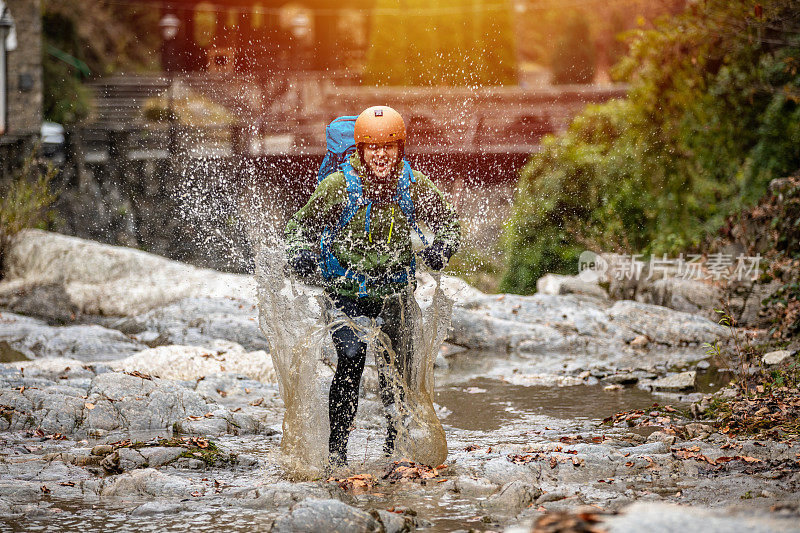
[{"x": 352, "y": 353}]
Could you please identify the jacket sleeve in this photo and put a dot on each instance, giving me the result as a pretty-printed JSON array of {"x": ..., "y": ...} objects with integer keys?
[
  {"x": 304, "y": 229},
  {"x": 433, "y": 209}
]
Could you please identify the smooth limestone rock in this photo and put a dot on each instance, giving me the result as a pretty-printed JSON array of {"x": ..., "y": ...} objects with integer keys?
[
  {"x": 101, "y": 279},
  {"x": 676, "y": 382},
  {"x": 163, "y": 302},
  {"x": 560, "y": 284},
  {"x": 36, "y": 339},
  {"x": 688, "y": 295},
  {"x": 333, "y": 516},
  {"x": 512, "y": 498},
  {"x": 198, "y": 321},
  {"x": 149, "y": 482},
  {"x": 192, "y": 362},
  {"x": 116, "y": 402},
  {"x": 777, "y": 357},
  {"x": 651, "y": 516}
]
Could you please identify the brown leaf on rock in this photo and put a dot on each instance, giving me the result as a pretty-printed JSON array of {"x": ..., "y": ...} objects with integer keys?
[
  {"x": 137, "y": 374},
  {"x": 560, "y": 522},
  {"x": 358, "y": 483},
  {"x": 409, "y": 471}
]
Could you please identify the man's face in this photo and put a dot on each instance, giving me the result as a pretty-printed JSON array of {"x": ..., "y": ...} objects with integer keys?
[{"x": 381, "y": 159}]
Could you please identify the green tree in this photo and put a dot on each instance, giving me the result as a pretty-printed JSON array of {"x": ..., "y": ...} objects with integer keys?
[
  {"x": 414, "y": 42},
  {"x": 711, "y": 117},
  {"x": 104, "y": 36}
]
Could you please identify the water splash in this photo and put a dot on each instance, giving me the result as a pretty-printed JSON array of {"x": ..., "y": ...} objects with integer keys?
[{"x": 293, "y": 315}]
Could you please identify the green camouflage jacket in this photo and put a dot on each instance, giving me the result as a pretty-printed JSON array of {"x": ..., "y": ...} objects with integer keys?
[{"x": 388, "y": 246}]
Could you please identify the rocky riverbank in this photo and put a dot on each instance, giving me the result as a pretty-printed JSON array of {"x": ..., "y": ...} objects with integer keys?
[{"x": 137, "y": 392}]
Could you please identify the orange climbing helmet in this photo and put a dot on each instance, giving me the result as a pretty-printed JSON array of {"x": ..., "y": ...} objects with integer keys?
[{"x": 379, "y": 124}]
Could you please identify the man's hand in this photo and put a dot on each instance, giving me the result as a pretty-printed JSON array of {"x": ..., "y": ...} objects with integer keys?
[
  {"x": 304, "y": 263},
  {"x": 436, "y": 255}
]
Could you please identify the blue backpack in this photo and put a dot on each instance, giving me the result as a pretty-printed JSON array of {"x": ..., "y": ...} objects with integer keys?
[{"x": 341, "y": 143}]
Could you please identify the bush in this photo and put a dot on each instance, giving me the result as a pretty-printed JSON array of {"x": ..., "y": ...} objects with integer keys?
[
  {"x": 711, "y": 117},
  {"x": 24, "y": 201}
]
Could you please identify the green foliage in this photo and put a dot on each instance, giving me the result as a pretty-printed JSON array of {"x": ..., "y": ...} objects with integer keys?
[
  {"x": 711, "y": 117},
  {"x": 24, "y": 200},
  {"x": 573, "y": 60},
  {"x": 415, "y": 42},
  {"x": 104, "y": 37},
  {"x": 65, "y": 100}
]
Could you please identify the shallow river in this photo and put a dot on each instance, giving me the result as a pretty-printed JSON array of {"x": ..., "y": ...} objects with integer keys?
[{"x": 477, "y": 412}]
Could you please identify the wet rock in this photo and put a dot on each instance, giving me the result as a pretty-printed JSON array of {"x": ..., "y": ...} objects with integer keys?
[
  {"x": 652, "y": 516},
  {"x": 230, "y": 387},
  {"x": 19, "y": 490},
  {"x": 559, "y": 284},
  {"x": 36, "y": 339},
  {"x": 512, "y": 498},
  {"x": 676, "y": 382},
  {"x": 628, "y": 378},
  {"x": 776, "y": 358},
  {"x": 203, "y": 426},
  {"x": 123, "y": 459},
  {"x": 149, "y": 482},
  {"x": 193, "y": 362},
  {"x": 394, "y": 522},
  {"x": 281, "y": 494},
  {"x": 156, "y": 508},
  {"x": 156, "y": 456},
  {"x": 102, "y": 449},
  {"x": 660, "y": 436},
  {"x": 189, "y": 463},
  {"x": 325, "y": 515},
  {"x": 471, "y": 487},
  {"x": 247, "y": 461},
  {"x": 501, "y": 471},
  {"x": 695, "y": 429}
]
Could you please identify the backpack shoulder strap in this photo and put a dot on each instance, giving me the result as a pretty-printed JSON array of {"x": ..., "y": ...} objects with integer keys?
[
  {"x": 355, "y": 194},
  {"x": 404, "y": 199}
]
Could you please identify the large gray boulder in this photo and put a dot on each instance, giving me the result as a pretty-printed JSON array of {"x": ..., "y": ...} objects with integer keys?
[{"x": 99, "y": 279}]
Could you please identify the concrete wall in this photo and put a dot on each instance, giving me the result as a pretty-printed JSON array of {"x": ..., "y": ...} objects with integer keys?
[{"x": 25, "y": 69}]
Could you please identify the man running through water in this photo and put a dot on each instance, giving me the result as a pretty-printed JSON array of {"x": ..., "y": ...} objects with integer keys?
[{"x": 374, "y": 249}]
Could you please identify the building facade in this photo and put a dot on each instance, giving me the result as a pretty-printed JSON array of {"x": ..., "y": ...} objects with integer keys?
[
  {"x": 23, "y": 72},
  {"x": 263, "y": 36}
]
